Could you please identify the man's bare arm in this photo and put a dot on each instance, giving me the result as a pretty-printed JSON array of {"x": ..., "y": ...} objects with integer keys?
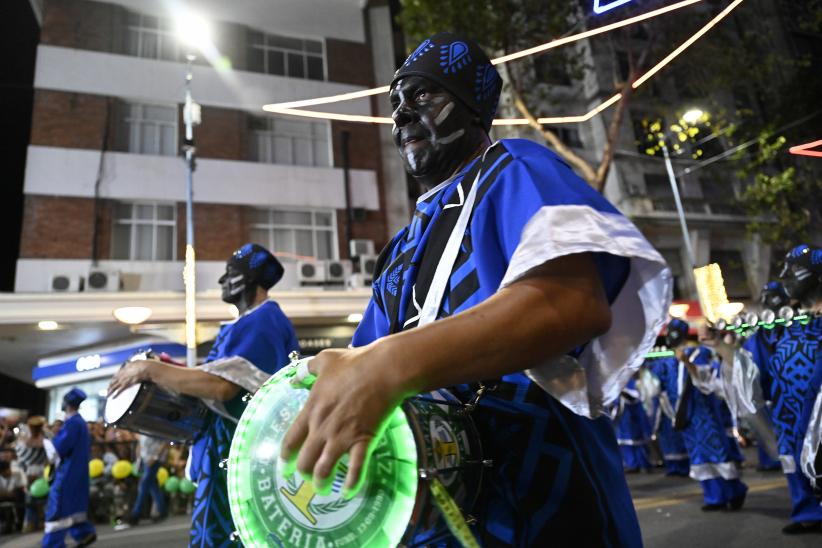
[
  {"x": 185, "y": 380},
  {"x": 553, "y": 309}
]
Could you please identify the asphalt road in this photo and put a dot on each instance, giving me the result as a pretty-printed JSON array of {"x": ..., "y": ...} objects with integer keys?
[{"x": 668, "y": 508}]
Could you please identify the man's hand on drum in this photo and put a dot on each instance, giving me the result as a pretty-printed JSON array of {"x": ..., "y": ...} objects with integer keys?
[
  {"x": 130, "y": 374},
  {"x": 354, "y": 393}
]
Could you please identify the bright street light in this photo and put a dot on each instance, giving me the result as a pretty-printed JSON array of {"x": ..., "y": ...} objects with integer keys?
[
  {"x": 193, "y": 30},
  {"x": 48, "y": 325},
  {"x": 132, "y": 315},
  {"x": 692, "y": 116}
]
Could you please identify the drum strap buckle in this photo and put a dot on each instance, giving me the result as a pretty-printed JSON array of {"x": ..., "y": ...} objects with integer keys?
[{"x": 469, "y": 407}]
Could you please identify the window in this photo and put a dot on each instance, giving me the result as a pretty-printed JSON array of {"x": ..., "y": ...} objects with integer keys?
[
  {"x": 658, "y": 189},
  {"x": 296, "y": 235},
  {"x": 720, "y": 196},
  {"x": 293, "y": 57},
  {"x": 292, "y": 142},
  {"x": 569, "y": 136},
  {"x": 149, "y": 129},
  {"x": 144, "y": 232},
  {"x": 733, "y": 273},
  {"x": 151, "y": 37}
]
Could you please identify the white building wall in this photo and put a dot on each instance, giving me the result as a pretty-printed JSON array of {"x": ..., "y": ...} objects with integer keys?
[
  {"x": 72, "y": 172},
  {"x": 151, "y": 80}
]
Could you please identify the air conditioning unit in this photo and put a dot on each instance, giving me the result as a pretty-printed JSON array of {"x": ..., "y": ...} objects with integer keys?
[
  {"x": 367, "y": 265},
  {"x": 64, "y": 283},
  {"x": 311, "y": 272},
  {"x": 361, "y": 247},
  {"x": 337, "y": 271},
  {"x": 102, "y": 280}
]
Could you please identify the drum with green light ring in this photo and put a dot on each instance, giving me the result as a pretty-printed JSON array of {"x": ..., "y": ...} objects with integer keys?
[{"x": 271, "y": 510}]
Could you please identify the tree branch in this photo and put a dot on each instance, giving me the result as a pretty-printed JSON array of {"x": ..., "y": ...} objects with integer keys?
[{"x": 585, "y": 170}]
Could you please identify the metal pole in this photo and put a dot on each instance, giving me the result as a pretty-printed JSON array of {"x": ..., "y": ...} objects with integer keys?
[
  {"x": 349, "y": 213},
  {"x": 189, "y": 278},
  {"x": 680, "y": 211}
]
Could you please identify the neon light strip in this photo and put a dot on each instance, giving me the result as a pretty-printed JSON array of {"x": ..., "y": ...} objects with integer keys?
[
  {"x": 687, "y": 43},
  {"x": 276, "y": 108},
  {"x": 504, "y": 59},
  {"x": 593, "y": 32},
  {"x": 598, "y": 8},
  {"x": 804, "y": 150}
]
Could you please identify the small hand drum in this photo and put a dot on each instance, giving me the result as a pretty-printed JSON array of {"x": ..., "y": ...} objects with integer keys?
[
  {"x": 428, "y": 437},
  {"x": 150, "y": 409}
]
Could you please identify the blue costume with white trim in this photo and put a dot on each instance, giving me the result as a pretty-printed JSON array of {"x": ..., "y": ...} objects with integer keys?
[
  {"x": 671, "y": 442},
  {"x": 245, "y": 352},
  {"x": 557, "y": 474},
  {"x": 68, "y": 496},
  {"x": 791, "y": 374},
  {"x": 709, "y": 448},
  {"x": 633, "y": 430}
]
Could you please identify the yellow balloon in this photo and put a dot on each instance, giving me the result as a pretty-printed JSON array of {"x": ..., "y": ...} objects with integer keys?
[
  {"x": 162, "y": 475},
  {"x": 95, "y": 468},
  {"x": 47, "y": 471},
  {"x": 121, "y": 469}
]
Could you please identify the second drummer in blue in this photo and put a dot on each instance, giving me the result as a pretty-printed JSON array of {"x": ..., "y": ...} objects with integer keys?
[{"x": 246, "y": 352}]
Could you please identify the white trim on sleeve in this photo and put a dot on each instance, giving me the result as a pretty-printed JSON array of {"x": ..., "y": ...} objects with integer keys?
[{"x": 639, "y": 311}]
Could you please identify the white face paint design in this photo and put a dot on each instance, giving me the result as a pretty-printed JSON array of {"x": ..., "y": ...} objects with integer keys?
[
  {"x": 453, "y": 137},
  {"x": 446, "y": 110}
]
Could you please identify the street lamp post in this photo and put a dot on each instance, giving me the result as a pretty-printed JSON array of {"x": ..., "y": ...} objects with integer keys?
[
  {"x": 691, "y": 117},
  {"x": 193, "y": 31},
  {"x": 191, "y": 117}
]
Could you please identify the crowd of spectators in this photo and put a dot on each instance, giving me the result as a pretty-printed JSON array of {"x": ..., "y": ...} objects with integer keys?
[{"x": 26, "y": 462}]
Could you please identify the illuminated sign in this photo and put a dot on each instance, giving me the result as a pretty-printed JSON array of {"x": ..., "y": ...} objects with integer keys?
[
  {"x": 601, "y": 6},
  {"x": 87, "y": 363},
  {"x": 806, "y": 149}
]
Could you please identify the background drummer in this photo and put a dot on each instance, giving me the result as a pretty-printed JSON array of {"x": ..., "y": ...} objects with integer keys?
[{"x": 246, "y": 352}]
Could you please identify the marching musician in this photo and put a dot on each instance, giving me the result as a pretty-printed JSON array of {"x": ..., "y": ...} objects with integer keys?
[
  {"x": 246, "y": 352},
  {"x": 545, "y": 299},
  {"x": 665, "y": 369},
  {"x": 67, "y": 509},
  {"x": 791, "y": 374}
]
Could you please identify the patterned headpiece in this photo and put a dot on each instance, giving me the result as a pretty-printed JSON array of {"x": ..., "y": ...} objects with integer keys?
[
  {"x": 460, "y": 66},
  {"x": 258, "y": 265},
  {"x": 774, "y": 296},
  {"x": 803, "y": 270}
]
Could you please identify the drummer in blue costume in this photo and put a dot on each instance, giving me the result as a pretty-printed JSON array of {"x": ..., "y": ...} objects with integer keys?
[
  {"x": 246, "y": 352},
  {"x": 68, "y": 496},
  {"x": 513, "y": 274},
  {"x": 671, "y": 442},
  {"x": 791, "y": 375}
]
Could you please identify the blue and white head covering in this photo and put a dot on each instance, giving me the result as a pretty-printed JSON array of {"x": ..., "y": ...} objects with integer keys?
[
  {"x": 258, "y": 265},
  {"x": 460, "y": 66}
]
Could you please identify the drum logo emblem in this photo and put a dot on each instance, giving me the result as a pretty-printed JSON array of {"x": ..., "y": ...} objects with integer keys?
[{"x": 446, "y": 449}]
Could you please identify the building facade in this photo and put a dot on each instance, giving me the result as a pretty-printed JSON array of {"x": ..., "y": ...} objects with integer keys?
[
  {"x": 638, "y": 184},
  {"x": 104, "y": 189},
  {"x": 105, "y": 183}
]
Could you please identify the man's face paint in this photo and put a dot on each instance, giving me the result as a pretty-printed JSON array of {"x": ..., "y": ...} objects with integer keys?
[
  {"x": 434, "y": 131},
  {"x": 233, "y": 285}
]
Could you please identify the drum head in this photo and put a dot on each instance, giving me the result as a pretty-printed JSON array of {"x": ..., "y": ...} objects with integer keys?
[
  {"x": 271, "y": 510},
  {"x": 119, "y": 405}
]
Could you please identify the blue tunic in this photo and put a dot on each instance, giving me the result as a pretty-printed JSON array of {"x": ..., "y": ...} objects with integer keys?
[
  {"x": 633, "y": 430},
  {"x": 670, "y": 440},
  {"x": 557, "y": 477},
  {"x": 705, "y": 436},
  {"x": 68, "y": 496},
  {"x": 264, "y": 337}
]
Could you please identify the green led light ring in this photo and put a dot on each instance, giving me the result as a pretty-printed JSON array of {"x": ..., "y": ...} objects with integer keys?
[{"x": 269, "y": 510}]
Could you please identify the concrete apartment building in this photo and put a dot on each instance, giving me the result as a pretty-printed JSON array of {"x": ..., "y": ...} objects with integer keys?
[
  {"x": 637, "y": 183},
  {"x": 104, "y": 191}
]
